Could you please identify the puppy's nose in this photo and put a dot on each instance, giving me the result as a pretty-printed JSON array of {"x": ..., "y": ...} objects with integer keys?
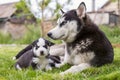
[
  {"x": 49, "y": 34},
  {"x": 41, "y": 52}
]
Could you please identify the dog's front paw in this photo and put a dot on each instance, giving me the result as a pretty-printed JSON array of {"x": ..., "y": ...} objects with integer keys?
[
  {"x": 62, "y": 74},
  {"x": 35, "y": 60},
  {"x": 57, "y": 65}
]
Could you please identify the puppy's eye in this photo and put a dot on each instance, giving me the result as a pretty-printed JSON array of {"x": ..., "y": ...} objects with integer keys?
[
  {"x": 63, "y": 23},
  {"x": 36, "y": 47},
  {"x": 45, "y": 46}
]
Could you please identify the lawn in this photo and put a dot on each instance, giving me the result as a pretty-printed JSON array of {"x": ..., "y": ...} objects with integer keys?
[{"x": 8, "y": 72}]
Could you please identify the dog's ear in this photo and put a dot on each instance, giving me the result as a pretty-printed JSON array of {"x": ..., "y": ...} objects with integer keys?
[
  {"x": 49, "y": 43},
  {"x": 62, "y": 11},
  {"x": 81, "y": 10},
  {"x": 34, "y": 43}
]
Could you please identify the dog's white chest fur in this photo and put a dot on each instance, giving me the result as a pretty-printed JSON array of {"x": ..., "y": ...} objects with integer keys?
[
  {"x": 41, "y": 63},
  {"x": 75, "y": 56},
  {"x": 81, "y": 58}
]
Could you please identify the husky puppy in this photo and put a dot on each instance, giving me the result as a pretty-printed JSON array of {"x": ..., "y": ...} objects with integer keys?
[
  {"x": 38, "y": 57},
  {"x": 85, "y": 44},
  {"x": 29, "y": 47}
]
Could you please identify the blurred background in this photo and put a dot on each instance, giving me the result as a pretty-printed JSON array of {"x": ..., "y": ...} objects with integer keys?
[{"x": 23, "y": 21}]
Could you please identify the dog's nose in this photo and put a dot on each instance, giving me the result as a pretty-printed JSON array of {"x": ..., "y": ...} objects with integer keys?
[
  {"x": 41, "y": 52},
  {"x": 49, "y": 34}
]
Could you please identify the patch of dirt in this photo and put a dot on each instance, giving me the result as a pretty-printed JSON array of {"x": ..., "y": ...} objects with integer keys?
[{"x": 116, "y": 45}]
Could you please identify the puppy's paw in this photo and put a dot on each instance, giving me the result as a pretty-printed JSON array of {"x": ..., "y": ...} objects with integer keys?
[
  {"x": 35, "y": 60},
  {"x": 48, "y": 68},
  {"x": 57, "y": 65}
]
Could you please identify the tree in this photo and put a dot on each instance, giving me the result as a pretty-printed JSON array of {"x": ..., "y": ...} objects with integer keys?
[{"x": 39, "y": 8}]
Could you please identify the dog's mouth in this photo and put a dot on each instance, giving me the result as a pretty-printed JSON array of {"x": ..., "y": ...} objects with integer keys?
[{"x": 58, "y": 38}]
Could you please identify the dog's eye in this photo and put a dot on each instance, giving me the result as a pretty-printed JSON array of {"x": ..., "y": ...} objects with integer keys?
[
  {"x": 36, "y": 47},
  {"x": 63, "y": 23},
  {"x": 45, "y": 46}
]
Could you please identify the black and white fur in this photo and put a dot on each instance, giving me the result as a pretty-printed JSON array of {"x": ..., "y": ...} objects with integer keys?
[
  {"x": 29, "y": 47},
  {"x": 86, "y": 45},
  {"x": 38, "y": 57}
]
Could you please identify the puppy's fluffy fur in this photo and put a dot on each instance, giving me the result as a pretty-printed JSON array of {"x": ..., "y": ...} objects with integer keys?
[{"x": 38, "y": 57}]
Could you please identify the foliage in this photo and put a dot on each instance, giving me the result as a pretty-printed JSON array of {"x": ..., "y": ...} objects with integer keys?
[
  {"x": 8, "y": 72},
  {"x": 113, "y": 0},
  {"x": 113, "y": 34},
  {"x": 5, "y": 38},
  {"x": 22, "y": 10},
  {"x": 32, "y": 34}
]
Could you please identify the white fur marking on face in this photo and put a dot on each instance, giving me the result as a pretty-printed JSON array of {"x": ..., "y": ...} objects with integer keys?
[
  {"x": 37, "y": 52},
  {"x": 66, "y": 32},
  {"x": 41, "y": 42},
  {"x": 62, "y": 19}
]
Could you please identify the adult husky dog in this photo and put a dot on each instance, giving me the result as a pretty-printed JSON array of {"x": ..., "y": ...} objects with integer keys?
[{"x": 86, "y": 45}]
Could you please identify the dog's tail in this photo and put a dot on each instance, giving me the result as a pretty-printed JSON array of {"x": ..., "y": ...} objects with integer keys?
[{"x": 29, "y": 47}]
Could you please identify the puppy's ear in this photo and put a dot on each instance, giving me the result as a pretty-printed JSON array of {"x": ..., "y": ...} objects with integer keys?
[
  {"x": 62, "y": 11},
  {"x": 49, "y": 43},
  {"x": 81, "y": 10},
  {"x": 34, "y": 43}
]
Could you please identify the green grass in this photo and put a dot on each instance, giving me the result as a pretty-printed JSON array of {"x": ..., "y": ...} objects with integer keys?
[
  {"x": 8, "y": 72},
  {"x": 113, "y": 34}
]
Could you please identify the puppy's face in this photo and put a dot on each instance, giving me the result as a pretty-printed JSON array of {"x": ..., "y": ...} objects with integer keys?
[{"x": 41, "y": 48}]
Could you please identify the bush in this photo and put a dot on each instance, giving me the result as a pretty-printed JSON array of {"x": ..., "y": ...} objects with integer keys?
[
  {"x": 32, "y": 34},
  {"x": 113, "y": 34},
  {"x": 5, "y": 38}
]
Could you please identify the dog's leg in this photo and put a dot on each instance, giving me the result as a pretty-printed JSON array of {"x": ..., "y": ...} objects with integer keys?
[
  {"x": 76, "y": 68},
  {"x": 35, "y": 60},
  {"x": 18, "y": 67},
  {"x": 66, "y": 60},
  {"x": 48, "y": 67},
  {"x": 57, "y": 52}
]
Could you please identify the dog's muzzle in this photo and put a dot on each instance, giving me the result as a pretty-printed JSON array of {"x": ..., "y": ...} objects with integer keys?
[
  {"x": 49, "y": 34},
  {"x": 41, "y": 53}
]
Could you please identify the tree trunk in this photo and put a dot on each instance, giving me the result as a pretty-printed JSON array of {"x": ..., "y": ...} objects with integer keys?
[
  {"x": 119, "y": 13},
  {"x": 42, "y": 20}
]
